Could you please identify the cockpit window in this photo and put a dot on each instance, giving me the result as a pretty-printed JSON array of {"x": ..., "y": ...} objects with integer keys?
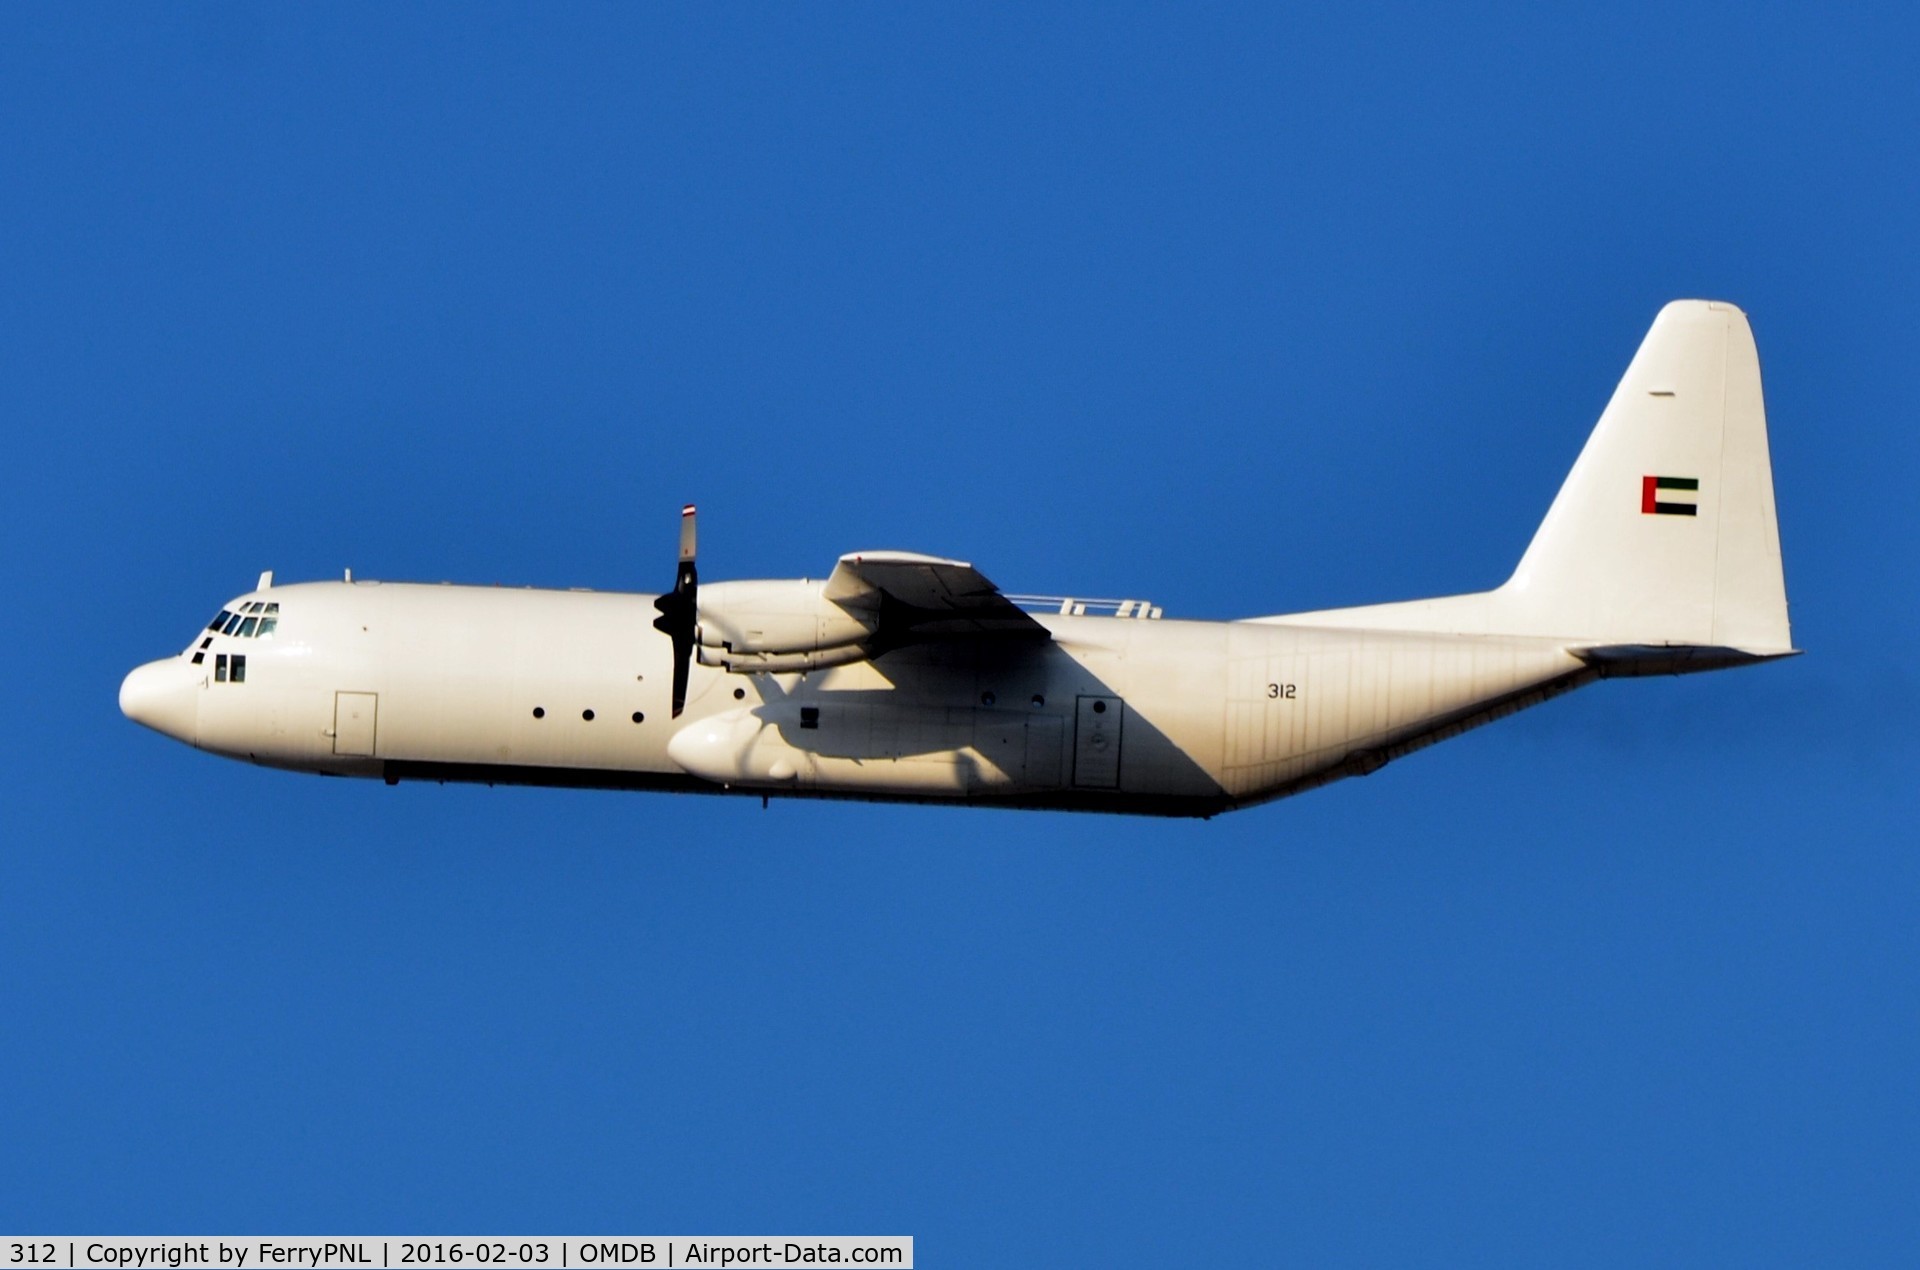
[{"x": 254, "y": 619}]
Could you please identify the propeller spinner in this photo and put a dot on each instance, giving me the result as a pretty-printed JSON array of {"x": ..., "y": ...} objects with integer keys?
[{"x": 678, "y": 609}]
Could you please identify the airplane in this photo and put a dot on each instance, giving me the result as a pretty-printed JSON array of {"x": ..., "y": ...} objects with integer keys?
[{"x": 908, "y": 677}]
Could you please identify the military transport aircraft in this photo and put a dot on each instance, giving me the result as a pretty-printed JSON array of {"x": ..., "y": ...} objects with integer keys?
[{"x": 912, "y": 677}]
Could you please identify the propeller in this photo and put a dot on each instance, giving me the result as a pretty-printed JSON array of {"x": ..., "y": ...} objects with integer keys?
[{"x": 678, "y": 609}]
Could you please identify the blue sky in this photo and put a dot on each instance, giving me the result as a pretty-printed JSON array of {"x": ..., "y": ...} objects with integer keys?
[{"x": 1245, "y": 310}]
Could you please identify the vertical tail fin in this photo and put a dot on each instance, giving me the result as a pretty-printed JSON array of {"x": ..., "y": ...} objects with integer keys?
[
  {"x": 1664, "y": 535},
  {"x": 1664, "y": 532}
]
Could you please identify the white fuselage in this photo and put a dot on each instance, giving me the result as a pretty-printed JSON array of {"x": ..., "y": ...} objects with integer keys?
[
  {"x": 907, "y": 676},
  {"x": 407, "y": 681}
]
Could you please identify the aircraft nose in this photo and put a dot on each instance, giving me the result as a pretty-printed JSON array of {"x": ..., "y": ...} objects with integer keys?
[{"x": 164, "y": 696}]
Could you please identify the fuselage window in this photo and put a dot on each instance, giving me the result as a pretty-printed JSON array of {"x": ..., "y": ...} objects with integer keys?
[
  {"x": 239, "y": 668},
  {"x": 198, "y": 657},
  {"x": 246, "y": 627},
  {"x": 220, "y": 668}
]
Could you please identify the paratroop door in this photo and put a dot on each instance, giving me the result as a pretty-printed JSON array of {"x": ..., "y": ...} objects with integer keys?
[{"x": 1096, "y": 742}]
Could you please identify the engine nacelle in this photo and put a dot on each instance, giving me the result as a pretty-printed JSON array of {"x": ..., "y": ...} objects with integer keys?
[
  {"x": 781, "y": 624},
  {"x": 779, "y": 663}
]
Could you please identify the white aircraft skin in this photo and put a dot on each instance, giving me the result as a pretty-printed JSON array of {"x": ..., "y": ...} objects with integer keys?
[{"x": 910, "y": 678}]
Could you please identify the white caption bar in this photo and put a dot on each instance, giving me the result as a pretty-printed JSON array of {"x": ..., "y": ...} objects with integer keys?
[{"x": 546, "y": 1252}]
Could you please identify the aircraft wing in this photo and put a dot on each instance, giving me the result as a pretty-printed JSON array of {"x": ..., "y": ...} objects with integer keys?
[{"x": 926, "y": 597}]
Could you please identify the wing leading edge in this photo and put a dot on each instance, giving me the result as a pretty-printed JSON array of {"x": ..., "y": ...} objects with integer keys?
[{"x": 927, "y": 598}]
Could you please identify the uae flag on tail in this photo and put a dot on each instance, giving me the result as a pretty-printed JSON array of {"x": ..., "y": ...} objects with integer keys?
[{"x": 1652, "y": 487}]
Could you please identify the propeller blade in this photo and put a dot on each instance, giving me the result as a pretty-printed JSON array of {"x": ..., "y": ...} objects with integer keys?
[
  {"x": 688, "y": 537},
  {"x": 679, "y": 608}
]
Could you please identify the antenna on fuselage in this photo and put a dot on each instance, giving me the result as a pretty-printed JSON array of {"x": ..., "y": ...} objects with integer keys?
[{"x": 679, "y": 607}]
